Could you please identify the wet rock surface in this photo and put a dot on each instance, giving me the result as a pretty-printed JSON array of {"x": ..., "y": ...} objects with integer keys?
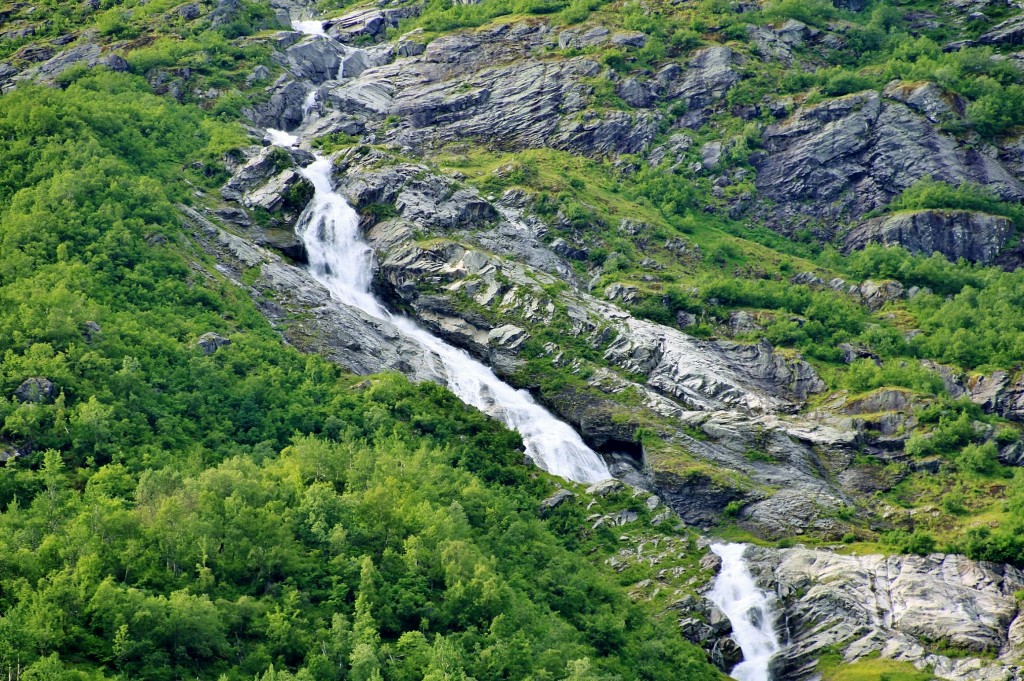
[{"x": 304, "y": 312}]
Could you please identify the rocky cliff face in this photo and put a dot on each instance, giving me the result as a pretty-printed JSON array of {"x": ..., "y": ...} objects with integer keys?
[
  {"x": 896, "y": 607},
  {"x": 975, "y": 237},
  {"x": 848, "y": 156}
]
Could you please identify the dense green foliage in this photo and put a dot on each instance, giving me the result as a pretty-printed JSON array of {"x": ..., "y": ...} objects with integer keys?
[{"x": 364, "y": 557}]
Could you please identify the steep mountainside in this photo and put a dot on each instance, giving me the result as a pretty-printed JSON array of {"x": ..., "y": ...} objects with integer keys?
[{"x": 762, "y": 256}]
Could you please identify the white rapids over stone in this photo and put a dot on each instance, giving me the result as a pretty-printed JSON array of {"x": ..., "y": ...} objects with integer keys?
[
  {"x": 341, "y": 261},
  {"x": 749, "y": 610},
  {"x": 310, "y": 27}
]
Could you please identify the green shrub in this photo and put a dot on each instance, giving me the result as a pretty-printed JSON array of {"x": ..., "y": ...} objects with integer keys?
[
  {"x": 928, "y": 194},
  {"x": 953, "y": 503},
  {"x": 813, "y": 12},
  {"x": 919, "y": 542},
  {"x": 865, "y": 375},
  {"x": 845, "y": 82},
  {"x": 978, "y": 458}
]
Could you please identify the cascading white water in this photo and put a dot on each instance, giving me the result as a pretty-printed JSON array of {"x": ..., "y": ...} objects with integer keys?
[
  {"x": 311, "y": 27},
  {"x": 343, "y": 263},
  {"x": 309, "y": 102},
  {"x": 749, "y": 609}
]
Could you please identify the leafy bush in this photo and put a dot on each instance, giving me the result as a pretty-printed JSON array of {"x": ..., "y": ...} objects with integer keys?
[
  {"x": 1000, "y": 546},
  {"x": 919, "y": 542},
  {"x": 865, "y": 375},
  {"x": 845, "y": 82},
  {"x": 978, "y": 458},
  {"x": 951, "y": 434},
  {"x": 813, "y": 12},
  {"x": 926, "y": 194}
]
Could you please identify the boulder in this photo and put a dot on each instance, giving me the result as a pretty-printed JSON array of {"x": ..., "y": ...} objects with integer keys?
[
  {"x": 726, "y": 653},
  {"x": 629, "y": 39},
  {"x": 875, "y": 294},
  {"x": 315, "y": 58},
  {"x": 742, "y": 322},
  {"x": 928, "y": 99},
  {"x": 211, "y": 342},
  {"x": 362, "y": 24},
  {"x": 116, "y": 62},
  {"x": 563, "y": 249},
  {"x": 555, "y": 500},
  {"x": 1012, "y": 454},
  {"x": 605, "y": 487},
  {"x": 634, "y": 92},
  {"x": 1009, "y": 32},
  {"x": 286, "y": 190},
  {"x": 37, "y": 390},
  {"x": 508, "y": 337},
  {"x": 224, "y": 12},
  {"x": 988, "y": 390},
  {"x": 976, "y": 237},
  {"x": 285, "y": 241},
  {"x": 189, "y": 12},
  {"x": 284, "y": 107},
  {"x": 851, "y": 353},
  {"x": 91, "y": 330}
]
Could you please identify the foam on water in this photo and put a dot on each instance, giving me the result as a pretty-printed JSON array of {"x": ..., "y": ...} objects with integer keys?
[{"x": 311, "y": 27}]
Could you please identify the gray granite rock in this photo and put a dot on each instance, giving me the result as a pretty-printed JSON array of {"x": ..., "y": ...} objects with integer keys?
[{"x": 976, "y": 237}]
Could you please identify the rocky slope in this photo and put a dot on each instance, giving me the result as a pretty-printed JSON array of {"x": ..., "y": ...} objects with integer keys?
[{"x": 436, "y": 136}]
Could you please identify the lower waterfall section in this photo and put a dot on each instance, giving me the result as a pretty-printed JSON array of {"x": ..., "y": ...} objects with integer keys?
[{"x": 749, "y": 610}]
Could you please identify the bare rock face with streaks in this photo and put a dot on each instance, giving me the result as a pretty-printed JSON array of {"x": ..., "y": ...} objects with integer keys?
[
  {"x": 465, "y": 86},
  {"x": 848, "y": 156},
  {"x": 976, "y": 237},
  {"x": 895, "y": 606}
]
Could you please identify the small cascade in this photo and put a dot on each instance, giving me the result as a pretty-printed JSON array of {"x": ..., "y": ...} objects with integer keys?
[
  {"x": 310, "y": 27},
  {"x": 341, "y": 261},
  {"x": 749, "y": 609},
  {"x": 310, "y": 102}
]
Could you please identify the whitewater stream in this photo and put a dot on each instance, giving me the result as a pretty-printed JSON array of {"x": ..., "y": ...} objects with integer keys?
[
  {"x": 749, "y": 610},
  {"x": 343, "y": 263}
]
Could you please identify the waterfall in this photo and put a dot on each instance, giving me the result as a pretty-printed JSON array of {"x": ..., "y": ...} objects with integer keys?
[
  {"x": 343, "y": 263},
  {"x": 309, "y": 102},
  {"x": 311, "y": 27},
  {"x": 749, "y": 609}
]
